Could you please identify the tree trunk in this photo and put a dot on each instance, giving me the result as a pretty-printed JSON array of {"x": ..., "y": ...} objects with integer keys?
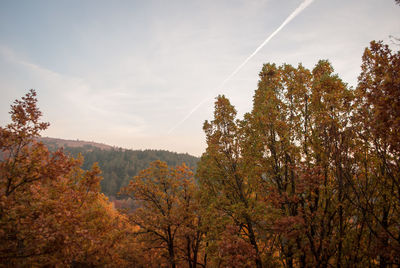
[{"x": 253, "y": 242}]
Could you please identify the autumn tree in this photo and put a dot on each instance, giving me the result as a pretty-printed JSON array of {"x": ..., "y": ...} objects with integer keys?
[
  {"x": 376, "y": 121},
  {"x": 166, "y": 215},
  {"x": 298, "y": 118},
  {"x": 225, "y": 186},
  {"x": 51, "y": 211}
]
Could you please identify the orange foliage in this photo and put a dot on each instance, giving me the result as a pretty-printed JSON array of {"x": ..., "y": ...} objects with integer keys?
[{"x": 51, "y": 211}]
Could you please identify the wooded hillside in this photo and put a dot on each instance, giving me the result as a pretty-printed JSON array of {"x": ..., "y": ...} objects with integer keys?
[{"x": 118, "y": 165}]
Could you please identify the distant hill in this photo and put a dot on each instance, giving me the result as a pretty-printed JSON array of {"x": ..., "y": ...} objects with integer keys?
[
  {"x": 58, "y": 143},
  {"x": 118, "y": 165}
]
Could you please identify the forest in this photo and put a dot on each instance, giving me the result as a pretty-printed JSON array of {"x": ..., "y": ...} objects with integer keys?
[
  {"x": 310, "y": 177},
  {"x": 118, "y": 165}
]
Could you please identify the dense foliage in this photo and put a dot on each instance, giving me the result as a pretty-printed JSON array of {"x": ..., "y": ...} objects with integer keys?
[{"x": 309, "y": 178}]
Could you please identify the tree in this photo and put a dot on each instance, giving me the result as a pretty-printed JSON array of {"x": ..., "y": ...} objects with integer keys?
[
  {"x": 51, "y": 211},
  {"x": 166, "y": 214},
  {"x": 293, "y": 138},
  {"x": 224, "y": 183},
  {"x": 376, "y": 121}
]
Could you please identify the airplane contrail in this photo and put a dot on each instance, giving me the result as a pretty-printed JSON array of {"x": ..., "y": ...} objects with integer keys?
[{"x": 297, "y": 11}]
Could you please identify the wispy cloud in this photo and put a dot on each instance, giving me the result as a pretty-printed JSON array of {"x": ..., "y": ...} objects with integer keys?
[{"x": 79, "y": 97}]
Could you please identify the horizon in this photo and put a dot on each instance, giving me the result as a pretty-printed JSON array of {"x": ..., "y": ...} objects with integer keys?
[
  {"x": 94, "y": 144},
  {"x": 125, "y": 74}
]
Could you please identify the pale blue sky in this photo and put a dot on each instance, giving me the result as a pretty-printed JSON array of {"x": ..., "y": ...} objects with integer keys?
[{"x": 125, "y": 72}]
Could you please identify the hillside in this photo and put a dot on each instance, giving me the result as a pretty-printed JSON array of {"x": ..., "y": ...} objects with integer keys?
[
  {"x": 54, "y": 143},
  {"x": 118, "y": 165}
]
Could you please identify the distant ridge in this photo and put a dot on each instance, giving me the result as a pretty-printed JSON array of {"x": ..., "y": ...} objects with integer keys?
[{"x": 58, "y": 143}]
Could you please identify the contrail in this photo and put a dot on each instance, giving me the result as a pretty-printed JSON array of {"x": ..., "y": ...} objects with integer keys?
[{"x": 296, "y": 12}]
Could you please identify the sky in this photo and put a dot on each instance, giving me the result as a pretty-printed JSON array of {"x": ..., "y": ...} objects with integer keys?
[{"x": 126, "y": 73}]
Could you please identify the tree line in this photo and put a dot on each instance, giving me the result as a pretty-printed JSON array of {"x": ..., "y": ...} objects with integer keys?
[{"x": 310, "y": 177}]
